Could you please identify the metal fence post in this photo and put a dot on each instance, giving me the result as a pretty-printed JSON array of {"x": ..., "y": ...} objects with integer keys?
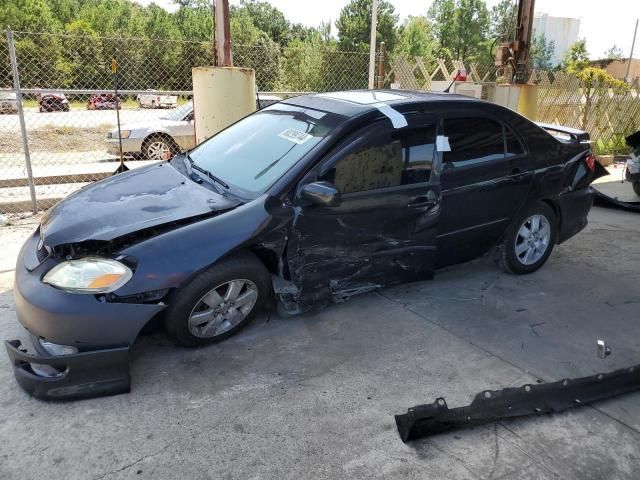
[{"x": 23, "y": 128}]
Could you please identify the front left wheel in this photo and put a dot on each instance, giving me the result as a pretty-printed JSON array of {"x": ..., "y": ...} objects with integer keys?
[
  {"x": 636, "y": 188},
  {"x": 219, "y": 302}
]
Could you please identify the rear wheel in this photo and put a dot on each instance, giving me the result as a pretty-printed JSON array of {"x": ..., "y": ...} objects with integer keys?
[
  {"x": 636, "y": 188},
  {"x": 529, "y": 240},
  {"x": 219, "y": 302},
  {"x": 153, "y": 104}
]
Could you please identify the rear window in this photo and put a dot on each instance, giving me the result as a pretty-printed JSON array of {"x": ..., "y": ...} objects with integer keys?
[{"x": 473, "y": 140}]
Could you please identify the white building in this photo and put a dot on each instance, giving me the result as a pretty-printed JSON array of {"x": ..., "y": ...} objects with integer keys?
[{"x": 563, "y": 31}]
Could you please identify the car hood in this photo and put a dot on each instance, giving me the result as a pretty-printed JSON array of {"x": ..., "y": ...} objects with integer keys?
[{"x": 131, "y": 201}]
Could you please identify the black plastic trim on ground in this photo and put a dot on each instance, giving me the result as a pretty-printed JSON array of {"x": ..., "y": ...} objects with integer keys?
[{"x": 492, "y": 405}]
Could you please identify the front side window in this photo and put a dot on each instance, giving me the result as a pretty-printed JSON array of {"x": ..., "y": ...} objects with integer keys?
[
  {"x": 472, "y": 141},
  {"x": 255, "y": 152},
  {"x": 385, "y": 158}
]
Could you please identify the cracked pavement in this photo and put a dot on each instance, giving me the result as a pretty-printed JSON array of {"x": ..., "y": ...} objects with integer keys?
[{"x": 314, "y": 396}]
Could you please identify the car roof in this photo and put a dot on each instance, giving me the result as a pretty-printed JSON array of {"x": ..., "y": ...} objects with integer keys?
[{"x": 355, "y": 102}]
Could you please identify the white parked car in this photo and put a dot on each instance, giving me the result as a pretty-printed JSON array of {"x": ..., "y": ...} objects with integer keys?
[
  {"x": 8, "y": 102},
  {"x": 161, "y": 139},
  {"x": 155, "y": 100}
]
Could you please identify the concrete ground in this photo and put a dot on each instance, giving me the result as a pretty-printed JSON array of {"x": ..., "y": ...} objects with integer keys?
[{"x": 314, "y": 396}]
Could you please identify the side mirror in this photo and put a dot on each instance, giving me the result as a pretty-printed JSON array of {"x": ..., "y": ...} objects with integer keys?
[{"x": 323, "y": 193}]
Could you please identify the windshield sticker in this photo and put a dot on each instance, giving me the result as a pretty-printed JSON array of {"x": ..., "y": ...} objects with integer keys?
[{"x": 295, "y": 136}]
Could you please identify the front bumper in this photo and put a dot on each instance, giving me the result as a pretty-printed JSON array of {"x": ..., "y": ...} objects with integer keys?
[
  {"x": 101, "y": 331},
  {"x": 81, "y": 375},
  {"x": 129, "y": 145}
]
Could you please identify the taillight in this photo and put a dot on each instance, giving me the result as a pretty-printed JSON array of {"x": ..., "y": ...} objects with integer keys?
[{"x": 590, "y": 161}]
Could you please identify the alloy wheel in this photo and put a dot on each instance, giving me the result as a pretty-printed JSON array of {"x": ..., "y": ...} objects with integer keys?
[
  {"x": 158, "y": 150},
  {"x": 532, "y": 240},
  {"x": 223, "y": 308}
]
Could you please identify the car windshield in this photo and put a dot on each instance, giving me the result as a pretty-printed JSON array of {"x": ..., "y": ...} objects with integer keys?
[
  {"x": 179, "y": 113},
  {"x": 256, "y": 151}
]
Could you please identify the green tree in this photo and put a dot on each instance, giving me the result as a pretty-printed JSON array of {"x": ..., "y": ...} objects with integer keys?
[
  {"x": 29, "y": 15},
  {"x": 266, "y": 18},
  {"x": 542, "y": 52},
  {"x": 442, "y": 14},
  {"x": 80, "y": 57},
  {"x": 264, "y": 57},
  {"x": 504, "y": 17},
  {"x": 461, "y": 27},
  {"x": 195, "y": 20},
  {"x": 614, "y": 53},
  {"x": 597, "y": 86},
  {"x": 243, "y": 30},
  {"x": 354, "y": 25},
  {"x": 415, "y": 38},
  {"x": 577, "y": 57}
]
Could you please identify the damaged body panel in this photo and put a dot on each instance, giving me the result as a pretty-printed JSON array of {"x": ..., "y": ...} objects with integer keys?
[
  {"x": 493, "y": 405},
  {"x": 311, "y": 200}
]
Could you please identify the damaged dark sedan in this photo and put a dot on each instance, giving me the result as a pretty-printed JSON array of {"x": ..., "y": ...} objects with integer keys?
[{"x": 308, "y": 201}]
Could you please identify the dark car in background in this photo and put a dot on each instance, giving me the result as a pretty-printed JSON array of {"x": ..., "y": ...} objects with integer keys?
[
  {"x": 53, "y": 102},
  {"x": 311, "y": 200},
  {"x": 103, "y": 101}
]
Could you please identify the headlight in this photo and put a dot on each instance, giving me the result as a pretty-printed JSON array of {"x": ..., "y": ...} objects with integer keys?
[{"x": 89, "y": 275}]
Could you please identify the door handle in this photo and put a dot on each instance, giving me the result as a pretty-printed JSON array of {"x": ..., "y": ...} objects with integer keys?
[
  {"x": 422, "y": 202},
  {"x": 517, "y": 173}
]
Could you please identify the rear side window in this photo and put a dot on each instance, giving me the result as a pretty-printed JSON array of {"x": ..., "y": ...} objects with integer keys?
[
  {"x": 473, "y": 140},
  {"x": 386, "y": 158}
]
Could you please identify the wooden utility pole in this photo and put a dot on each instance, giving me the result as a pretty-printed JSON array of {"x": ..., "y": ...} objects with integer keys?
[
  {"x": 372, "y": 44},
  {"x": 224, "y": 55},
  {"x": 633, "y": 44}
]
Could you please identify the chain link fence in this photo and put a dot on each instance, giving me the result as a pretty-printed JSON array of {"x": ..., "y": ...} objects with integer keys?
[
  {"x": 59, "y": 129},
  {"x": 70, "y": 106}
]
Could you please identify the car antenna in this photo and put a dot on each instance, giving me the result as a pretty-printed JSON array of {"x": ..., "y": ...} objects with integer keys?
[{"x": 452, "y": 82}]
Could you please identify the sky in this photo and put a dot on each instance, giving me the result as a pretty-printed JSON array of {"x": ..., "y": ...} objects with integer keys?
[{"x": 603, "y": 24}]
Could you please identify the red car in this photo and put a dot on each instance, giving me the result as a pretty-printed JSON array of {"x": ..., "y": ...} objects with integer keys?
[
  {"x": 103, "y": 101},
  {"x": 53, "y": 102}
]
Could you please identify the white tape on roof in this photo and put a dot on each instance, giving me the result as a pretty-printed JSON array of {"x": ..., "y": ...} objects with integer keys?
[{"x": 397, "y": 119}]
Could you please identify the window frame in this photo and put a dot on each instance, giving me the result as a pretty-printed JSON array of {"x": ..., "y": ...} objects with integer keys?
[{"x": 474, "y": 163}]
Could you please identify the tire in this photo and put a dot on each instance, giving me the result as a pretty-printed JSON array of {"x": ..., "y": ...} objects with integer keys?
[
  {"x": 213, "y": 322},
  {"x": 153, "y": 104},
  {"x": 515, "y": 254},
  {"x": 636, "y": 188},
  {"x": 157, "y": 147}
]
